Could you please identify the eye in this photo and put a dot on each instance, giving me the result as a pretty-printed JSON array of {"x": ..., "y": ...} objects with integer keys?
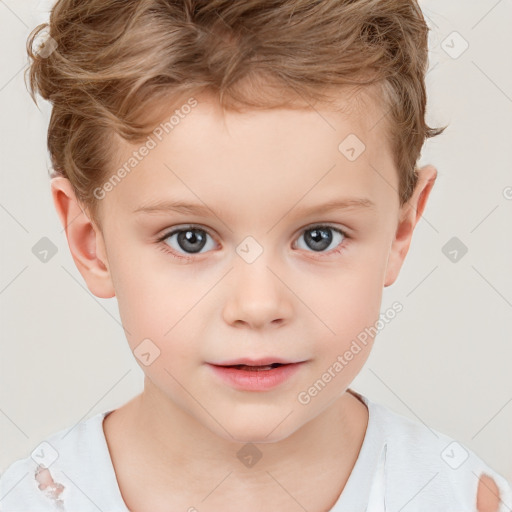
[
  {"x": 319, "y": 238},
  {"x": 189, "y": 239}
]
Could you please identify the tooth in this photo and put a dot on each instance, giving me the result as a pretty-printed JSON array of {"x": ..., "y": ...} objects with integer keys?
[{"x": 254, "y": 368}]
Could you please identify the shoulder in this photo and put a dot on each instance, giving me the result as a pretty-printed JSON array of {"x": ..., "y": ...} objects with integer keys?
[
  {"x": 19, "y": 489},
  {"x": 488, "y": 497},
  {"x": 43, "y": 480},
  {"x": 433, "y": 464}
]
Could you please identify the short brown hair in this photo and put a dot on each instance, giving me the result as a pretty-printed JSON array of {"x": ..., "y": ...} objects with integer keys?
[{"x": 116, "y": 61}]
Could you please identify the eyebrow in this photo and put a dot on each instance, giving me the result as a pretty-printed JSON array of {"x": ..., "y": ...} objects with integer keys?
[{"x": 166, "y": 206}]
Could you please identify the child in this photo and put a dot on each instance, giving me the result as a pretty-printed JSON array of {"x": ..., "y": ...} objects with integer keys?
[{"x": 281, "y": 136}]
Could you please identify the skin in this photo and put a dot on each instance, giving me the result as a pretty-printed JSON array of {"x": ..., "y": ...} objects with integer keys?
[{"x": 254, "y": 170}]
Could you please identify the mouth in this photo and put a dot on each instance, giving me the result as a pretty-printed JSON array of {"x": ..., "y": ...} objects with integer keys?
[
  {"x": 251, "y": 368},
  {"x": 255, "y": 377},
  {"x": 268, "y": 361}
]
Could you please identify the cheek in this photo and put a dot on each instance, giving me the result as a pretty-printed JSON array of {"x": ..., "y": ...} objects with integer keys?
[
  {"x": 348, "y": 300},
  {"x": 162, "y": 304},
  {"x": 348, "y": 304}
]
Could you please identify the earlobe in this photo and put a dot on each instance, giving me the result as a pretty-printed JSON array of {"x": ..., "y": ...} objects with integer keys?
[
  {"x": 410, "y": 214},
  {"x": 85, "y": 240}
]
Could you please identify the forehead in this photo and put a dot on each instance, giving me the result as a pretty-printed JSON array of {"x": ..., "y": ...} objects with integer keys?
[{"x": 261, "y": 157}]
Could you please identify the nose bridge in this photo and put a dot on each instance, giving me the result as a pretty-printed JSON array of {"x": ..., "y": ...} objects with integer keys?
[{"x": 256, "y": 294}]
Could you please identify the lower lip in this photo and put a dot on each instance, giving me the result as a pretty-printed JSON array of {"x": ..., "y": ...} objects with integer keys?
[{"x": 254, "y": 380}]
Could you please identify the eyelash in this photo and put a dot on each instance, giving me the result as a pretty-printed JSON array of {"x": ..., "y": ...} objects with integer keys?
[{"x": 165, "y": 247}]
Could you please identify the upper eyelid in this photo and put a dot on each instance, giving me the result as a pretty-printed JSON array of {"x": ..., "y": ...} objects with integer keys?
[{"x": 308, "y": 227}]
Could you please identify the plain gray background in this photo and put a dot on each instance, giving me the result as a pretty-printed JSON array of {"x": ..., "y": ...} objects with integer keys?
[{"x": 445, "y": 360}]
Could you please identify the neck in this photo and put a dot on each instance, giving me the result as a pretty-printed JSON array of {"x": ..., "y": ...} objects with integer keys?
[{"x": 171, "y": 452}]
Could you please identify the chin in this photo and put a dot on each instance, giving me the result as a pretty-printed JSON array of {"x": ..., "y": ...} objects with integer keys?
[{"x": 257, "y": 429}]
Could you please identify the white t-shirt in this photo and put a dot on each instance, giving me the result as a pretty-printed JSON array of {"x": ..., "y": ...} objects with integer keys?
[{"x": 403, "y": 465}]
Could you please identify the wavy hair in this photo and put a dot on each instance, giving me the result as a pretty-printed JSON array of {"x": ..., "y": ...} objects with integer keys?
[{"x": 119, "y": 66}]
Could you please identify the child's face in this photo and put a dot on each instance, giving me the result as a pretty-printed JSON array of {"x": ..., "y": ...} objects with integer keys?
[{"x": 256, "y": 175}]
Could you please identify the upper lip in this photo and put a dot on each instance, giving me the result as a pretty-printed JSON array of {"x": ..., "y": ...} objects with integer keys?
[{"x": 255, "y": 362}]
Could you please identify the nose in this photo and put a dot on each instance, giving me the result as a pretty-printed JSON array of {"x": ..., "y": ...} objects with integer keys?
[{"x": 256, "y": 296}]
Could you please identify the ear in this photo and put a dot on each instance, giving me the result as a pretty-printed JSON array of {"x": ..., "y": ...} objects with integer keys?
[
  {"x": 85, "y": 239},
  {"x": 410, "y": 214}
]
